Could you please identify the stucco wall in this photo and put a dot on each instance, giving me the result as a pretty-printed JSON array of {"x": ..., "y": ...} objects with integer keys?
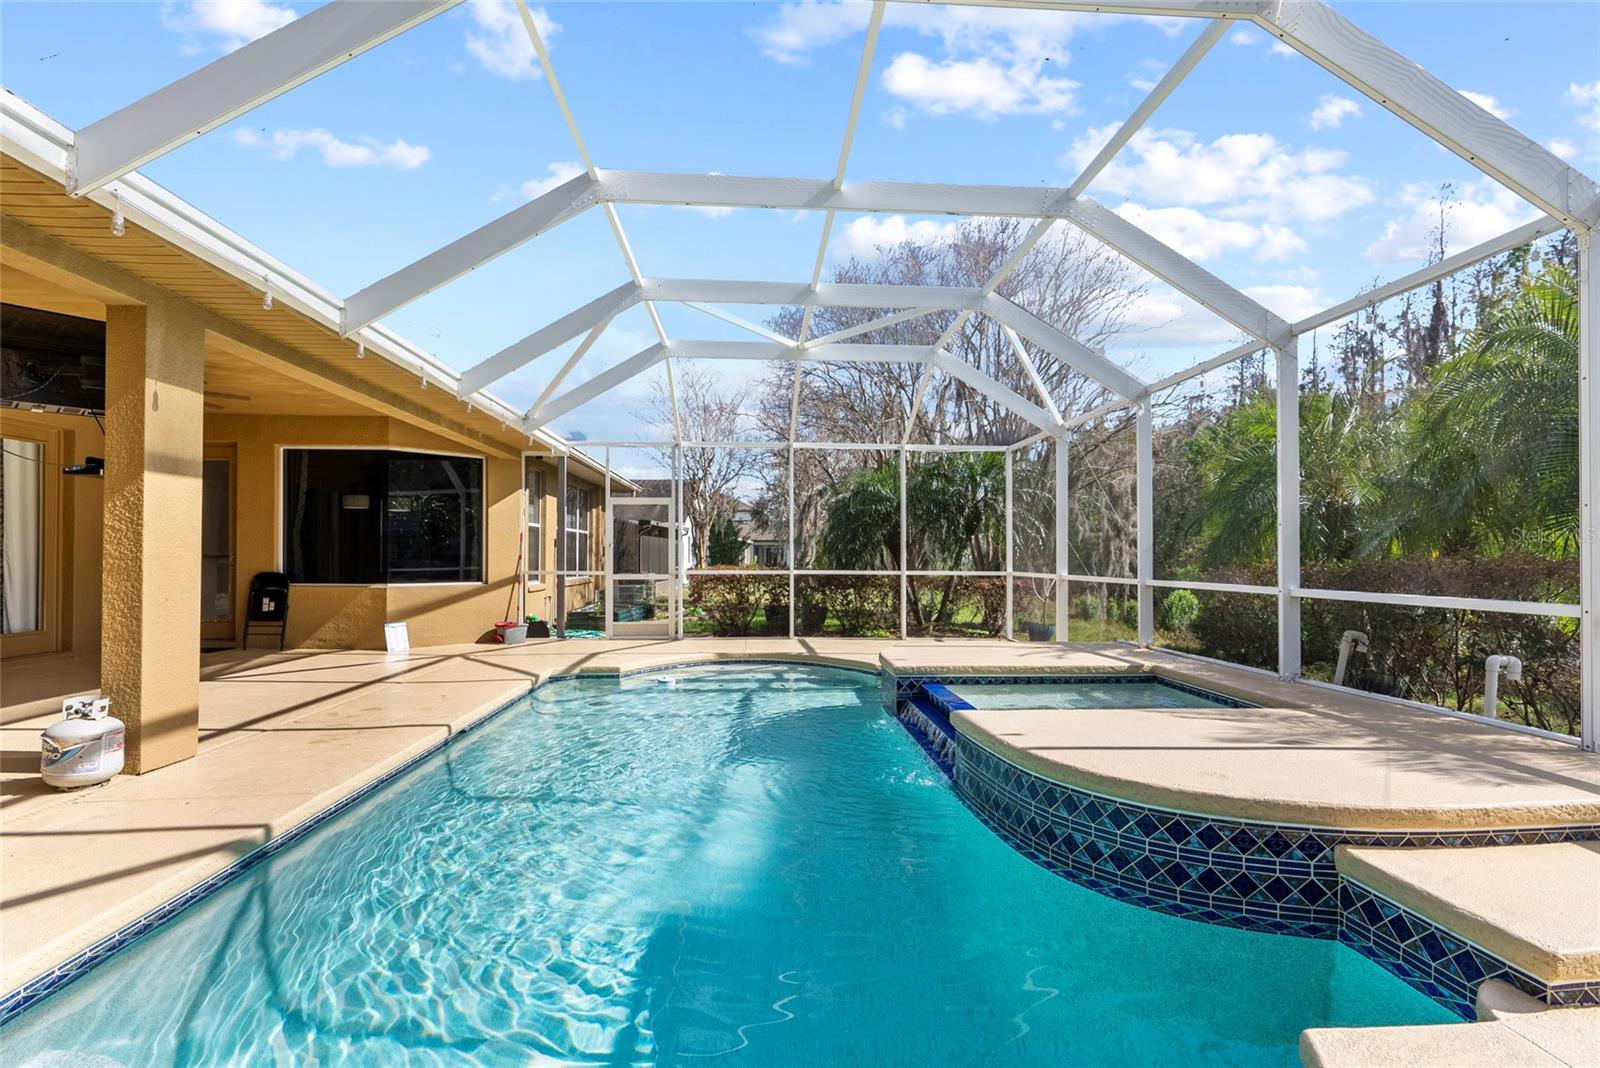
[
  {"x": 352, "y": 617},
  {"x": 324, "y": 617}
]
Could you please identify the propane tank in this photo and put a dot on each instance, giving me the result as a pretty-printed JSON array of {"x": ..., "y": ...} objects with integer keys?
[{"x": 84, "y": 747}]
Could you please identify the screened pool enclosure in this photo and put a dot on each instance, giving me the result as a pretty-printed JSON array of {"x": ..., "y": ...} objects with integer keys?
[{"x": 929, "y": 459}]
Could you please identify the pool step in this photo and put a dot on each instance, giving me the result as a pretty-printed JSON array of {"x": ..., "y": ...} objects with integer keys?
[
  {"x": 1555, "y": 1038},
  {"x": 1454, "y": 917}
]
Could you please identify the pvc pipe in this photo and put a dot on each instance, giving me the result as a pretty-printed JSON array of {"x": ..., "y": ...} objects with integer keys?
[
  {"x": 1491, "y": 680},
  {"x": 1350, "y": 638}
]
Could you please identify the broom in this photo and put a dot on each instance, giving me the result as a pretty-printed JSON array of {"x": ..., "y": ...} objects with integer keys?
[{"x": 516, "y": 577}]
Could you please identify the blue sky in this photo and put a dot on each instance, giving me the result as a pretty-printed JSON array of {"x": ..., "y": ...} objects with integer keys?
[{"x": 1262, "y": 166}]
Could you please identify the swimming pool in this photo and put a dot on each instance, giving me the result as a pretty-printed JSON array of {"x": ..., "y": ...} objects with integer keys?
[
  {"x": 755, "y": 864},
  {"x": 1137, "y": 692}
]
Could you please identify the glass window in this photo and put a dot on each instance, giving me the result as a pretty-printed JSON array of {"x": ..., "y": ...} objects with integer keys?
[
  {"x": 365, "y": 516},
  {"x": 22, "y": 555},
  {"x": 533, "y": 483},
  {"x": 577, "y": 555}
]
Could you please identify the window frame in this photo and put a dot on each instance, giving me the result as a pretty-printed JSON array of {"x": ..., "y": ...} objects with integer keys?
[
  {"x": 283, "y": 450},
  {"x": 583, "y": 535}
]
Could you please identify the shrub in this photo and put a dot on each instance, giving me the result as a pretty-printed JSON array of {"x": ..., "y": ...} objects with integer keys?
[
  {"x": 859, "y": 604},
  {"x": 732, "y": 597},
  {"x": 1179, "y": 610},
  {"x": 1432, "y": 655}
]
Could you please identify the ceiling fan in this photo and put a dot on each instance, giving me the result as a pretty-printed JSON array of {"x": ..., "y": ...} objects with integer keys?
[{"x": 214, "y": 395}]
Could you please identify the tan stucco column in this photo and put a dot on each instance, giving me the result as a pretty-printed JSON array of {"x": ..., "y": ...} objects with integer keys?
[{"x": 150, "y": 647}]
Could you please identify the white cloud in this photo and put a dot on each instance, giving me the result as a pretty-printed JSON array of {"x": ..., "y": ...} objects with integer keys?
[
  {"x": 1474, "y": 214},
  {"x": 230, "y": 24},
  {"x": 1240, "y": 176},
  {"x": 499, "y": 41},
  {"x": 1562, "y": 147},
  {"x": 982, "y": 86},
  {"x": 1586, "y": 98},
  {"x": 1203, "y": 237},
  {"x": 1288, "y": 301},
  {"x": 1331, "y": 111},
  {"x": 863, "y": 237},
  {"x": 987, "y": 61},
  {"x": 1281, "y": 49},
  {"x": 397, "y": 155},
  {"x": 801, "y": 28},
  {"x": 1487, "y": 103},
  {"x": 558, "y": 173},
  {"x": 895, "y": 118},
  {"x": 1146, "y": 74},
  {"x": 1159, "y": 317}
]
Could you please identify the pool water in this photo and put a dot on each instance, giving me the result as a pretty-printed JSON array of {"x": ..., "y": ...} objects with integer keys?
[
  {"x": 756, "y": 866},
  {"x": 1152, "y": 694}
]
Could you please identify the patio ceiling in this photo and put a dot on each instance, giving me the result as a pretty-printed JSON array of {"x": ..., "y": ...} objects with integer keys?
[{"x": 108, "y": 150}]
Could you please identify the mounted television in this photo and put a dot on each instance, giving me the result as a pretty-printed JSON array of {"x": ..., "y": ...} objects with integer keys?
[{"x": 52, "y": 362}]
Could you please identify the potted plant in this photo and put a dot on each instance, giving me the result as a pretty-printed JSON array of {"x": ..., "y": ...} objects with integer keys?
[{"x": 1039, "y": 632}]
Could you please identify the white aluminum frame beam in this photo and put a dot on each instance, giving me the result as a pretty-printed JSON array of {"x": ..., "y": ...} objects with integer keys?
[
  {"x": 1399, "y": 85},
  {"x": 1443, "y": 269},
  {"x": 1589, "y": 488},
  {"x": 800, "y": 194},
  {"x": 1178, "y": 271},
  {"x": 1145, "y": 536},
  {"x": 742, "y": 323},
  {"x": 567, "y": 368},
  {"x": 221, "y": 91},
  {"x": 520, "y": 353},
  {"x": 827, "y": 294},
  {"x": 493, "y": 239},
  {"x": 784, "y": 350},
  {"x": 863, "y": 72},
  {"x": 1154, "y": 99},
  {"x": 1021, "y": 352},
  {"x": 1288, "y": 501},
  {"x": 1067, "y": 349},
  {"x": 1238, "y": 352},
  {"x": 601, "y": 383},
  {"x": 964, "y": 372},
  {"x": 869, "y": 326}
]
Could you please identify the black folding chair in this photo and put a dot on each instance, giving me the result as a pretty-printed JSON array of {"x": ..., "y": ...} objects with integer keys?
[{"x": 267, "y": 606}]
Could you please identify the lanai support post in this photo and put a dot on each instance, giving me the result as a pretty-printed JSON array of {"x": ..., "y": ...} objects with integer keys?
[
  {"x": 1589, "y": 485},
  {"x": 1011, "y": 577},
  {"x": 562, "y": 563},
  {"x": 1288, "y": 509},
  {"x": 1063, "y": 553},
  {"x": 1145, "y": 478}
]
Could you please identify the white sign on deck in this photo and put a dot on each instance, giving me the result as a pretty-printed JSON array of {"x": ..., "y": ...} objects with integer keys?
[{"x": 396, "y": 638}]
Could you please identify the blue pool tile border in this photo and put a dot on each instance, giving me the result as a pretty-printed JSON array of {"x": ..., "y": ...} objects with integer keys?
[
  {"x": 13, "y": 1003},
  {"x": 1274, "y": 877},
  {"x": 1432, "y": 959}
]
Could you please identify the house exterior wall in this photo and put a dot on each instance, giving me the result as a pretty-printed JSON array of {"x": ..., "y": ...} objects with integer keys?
[
  {"x": 320, "y": 616},
  {"x": 353, "y": 616}
]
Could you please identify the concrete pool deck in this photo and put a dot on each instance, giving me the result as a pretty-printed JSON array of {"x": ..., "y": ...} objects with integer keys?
[{"x": 286, "y": 735}]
